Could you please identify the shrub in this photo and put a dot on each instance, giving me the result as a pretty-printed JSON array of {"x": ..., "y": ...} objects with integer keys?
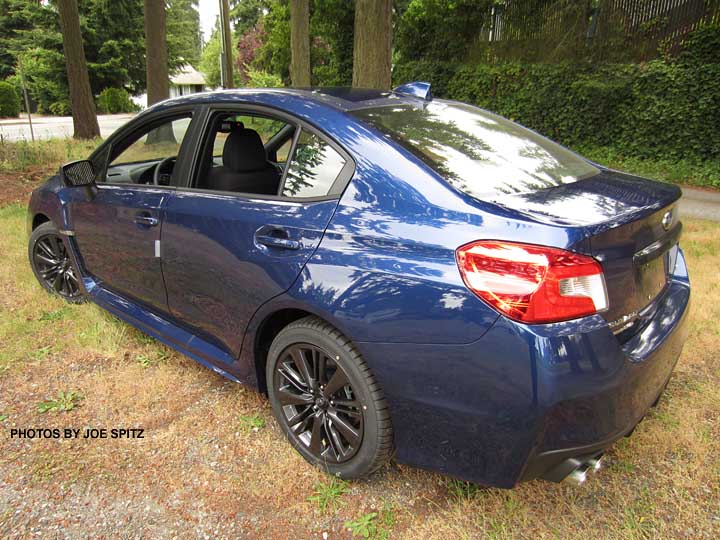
[
  {"x": 263, "y": 79},
  {"x": 60, "y": 108},
  {"x": 9, "y": 100},
  {"x": 661, "y": 109},
  {"x": 114, "y": 101}
]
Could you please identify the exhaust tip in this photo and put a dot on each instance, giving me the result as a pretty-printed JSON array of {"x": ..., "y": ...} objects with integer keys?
[
  {"x": 578, "y": 477},
  {"x": 595, "y": 464}
]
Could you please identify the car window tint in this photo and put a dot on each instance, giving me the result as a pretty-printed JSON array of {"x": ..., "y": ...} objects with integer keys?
[
  {"x": 313, "y": 168},
  {"x": 479, "y": 153},
  {"x": 158, "y": 143}
]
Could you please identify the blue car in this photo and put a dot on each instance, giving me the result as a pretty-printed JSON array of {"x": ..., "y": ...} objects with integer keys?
[{"x": 404, "y": 277}]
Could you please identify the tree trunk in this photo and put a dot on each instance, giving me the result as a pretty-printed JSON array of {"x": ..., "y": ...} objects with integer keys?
[
  {"x": 372, "y": 48},
  {"x": 229, "y": 81},
  {"x": 300, "y": 42},
  {"x": 156, "y": 62},
  {"x": 85, "y": 123}
]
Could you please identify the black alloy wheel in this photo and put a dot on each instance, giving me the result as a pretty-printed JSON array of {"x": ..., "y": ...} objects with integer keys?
[
  {"x": 327, "y": 401},
  {"x": 51, "y": 263},
  {"x": 318, "y": 403}
]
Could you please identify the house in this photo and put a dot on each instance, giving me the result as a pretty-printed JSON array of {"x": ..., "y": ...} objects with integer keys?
[{"x": 187, "y": 81}]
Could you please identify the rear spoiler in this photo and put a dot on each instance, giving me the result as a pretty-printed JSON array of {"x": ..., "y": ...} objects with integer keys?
[{"x": 415, "y": 89}]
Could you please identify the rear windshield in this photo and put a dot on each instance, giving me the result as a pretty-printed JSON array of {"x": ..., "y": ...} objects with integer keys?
[{"x": 479, "y": 153}]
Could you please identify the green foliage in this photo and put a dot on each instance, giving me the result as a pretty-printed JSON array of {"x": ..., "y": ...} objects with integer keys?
[
  {"x": 462, "y": 490},
  {"x": 331, "y": 47},
  {"x": 658, "y": 110},
  {"x": 113, "y": 40},
  {"x": 703, "y": 45},
  {"x": 327, "y": 494},
  {"x": 65, "y": 401},
  {"x": 263, "y": 79},
  {"x": 115, "y": 100},
  {"x": 439, "y": 30},
  {"x": 374, "y": 525},
  {"x": 9, "y": 100},
  {"x": 210, "y": 60},
  {"x": 274, "y": 55},
  {"x": 244, "y": 14},
  {"x": 60, "y": 107},
  {"x": 253, "y": 422},
  {"x": 184, "y": 39},
  {"x": 331, "y": 54}
]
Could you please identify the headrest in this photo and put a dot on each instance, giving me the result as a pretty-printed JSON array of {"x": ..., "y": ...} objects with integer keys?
[
  {"x": 244, "y": 151},
  {"x": 229, "y": 125}
]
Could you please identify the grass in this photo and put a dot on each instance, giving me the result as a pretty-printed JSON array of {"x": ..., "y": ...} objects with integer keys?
[
  {"x": 328, "y": 494},
  {"x": 65, "y": 401},
  {"x": 252, "y": 422},
  {"x": 203, "y": 469},
  {"x": 677, "y": 171},
  {"x": 51, "y": 153}
]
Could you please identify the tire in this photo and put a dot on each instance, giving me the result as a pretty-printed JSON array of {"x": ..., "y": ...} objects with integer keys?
[
  {"x": 51, "y": 264},
  {"x": 317, "y": 411}
]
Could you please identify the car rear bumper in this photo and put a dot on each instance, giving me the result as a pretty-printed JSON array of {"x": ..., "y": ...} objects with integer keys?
[{"x": 516, "y": 403}]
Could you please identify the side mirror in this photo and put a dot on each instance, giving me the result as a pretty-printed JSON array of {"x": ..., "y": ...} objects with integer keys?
[{"x": 78, "y": 173}]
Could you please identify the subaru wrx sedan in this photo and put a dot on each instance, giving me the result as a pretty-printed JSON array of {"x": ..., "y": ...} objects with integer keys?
[{"x": 403, "y": 276}]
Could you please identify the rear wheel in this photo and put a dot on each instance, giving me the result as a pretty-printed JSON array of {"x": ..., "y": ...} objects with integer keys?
[
  {"x": 327, "y": 401},
  {"x": 51, "y": 263}
]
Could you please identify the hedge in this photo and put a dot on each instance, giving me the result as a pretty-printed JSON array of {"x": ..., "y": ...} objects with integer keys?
[
  {"x": 655, "y": 110},
  {"x": 9, "y": 100},
  {"x": 114, "y": 101}
]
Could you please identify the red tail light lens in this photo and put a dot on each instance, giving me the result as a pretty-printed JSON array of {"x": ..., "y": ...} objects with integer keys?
[{"x": 533, "y": 284}]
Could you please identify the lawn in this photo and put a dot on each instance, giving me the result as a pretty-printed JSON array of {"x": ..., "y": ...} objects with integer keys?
[{"x": 213, "y": 464}]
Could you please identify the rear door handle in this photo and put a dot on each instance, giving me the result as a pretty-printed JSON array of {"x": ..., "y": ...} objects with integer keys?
[
  {"x": 274, "y": 241},
  {"x": 148, "y": 221}
]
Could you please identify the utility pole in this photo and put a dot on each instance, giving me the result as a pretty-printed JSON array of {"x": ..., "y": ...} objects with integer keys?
[
  {"x": 27, "y": 100},
  {"x": 226, "y": 56}
]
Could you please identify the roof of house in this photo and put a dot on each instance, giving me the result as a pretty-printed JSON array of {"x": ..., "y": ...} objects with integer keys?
[{"x": 187, "y": 75}]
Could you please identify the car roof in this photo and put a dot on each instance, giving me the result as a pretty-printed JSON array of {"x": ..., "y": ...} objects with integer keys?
[{"x": 340, "y": 98}]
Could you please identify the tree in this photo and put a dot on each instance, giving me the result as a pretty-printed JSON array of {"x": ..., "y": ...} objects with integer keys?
[
  {"x": 372, "y": 50},
  {"x": 227, "y": 46},
  {"x": 156, "y": 63},
  {"x": 85, "y": 124},
  {"x": 184, "y": 38},
  {"x": 300, "y": 42},
  {"x": 245, "y": 14}
]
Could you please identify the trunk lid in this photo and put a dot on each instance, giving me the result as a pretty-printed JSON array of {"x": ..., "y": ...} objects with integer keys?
[{"x": 631, "y": 225}]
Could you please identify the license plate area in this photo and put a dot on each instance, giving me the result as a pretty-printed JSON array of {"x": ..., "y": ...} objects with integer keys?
[{"x": 652, "y": 277}]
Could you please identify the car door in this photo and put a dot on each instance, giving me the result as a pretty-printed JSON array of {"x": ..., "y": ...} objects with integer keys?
[
  {"x": 117, "y": 226},
  {"x": 225, "y": 253}
]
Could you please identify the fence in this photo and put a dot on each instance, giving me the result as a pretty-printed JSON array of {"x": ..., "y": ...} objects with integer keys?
[{"x": 635, "y": 28}]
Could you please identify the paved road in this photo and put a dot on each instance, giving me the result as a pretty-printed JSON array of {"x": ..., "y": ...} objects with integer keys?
[
  {"x": 699, "y": 203},
  {"x": 49, "y": 127}
]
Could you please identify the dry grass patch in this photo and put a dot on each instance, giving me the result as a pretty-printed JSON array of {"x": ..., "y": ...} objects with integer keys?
[{"x": 214, "y": 464}]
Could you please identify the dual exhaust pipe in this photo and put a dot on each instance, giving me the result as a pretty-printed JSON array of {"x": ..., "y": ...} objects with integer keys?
[{"x": 582, "y": 469}]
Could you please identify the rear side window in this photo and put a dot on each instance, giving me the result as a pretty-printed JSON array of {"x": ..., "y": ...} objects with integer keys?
[
  {"x": 479, "y": 153},
  {"x": 313, "y": 168}
]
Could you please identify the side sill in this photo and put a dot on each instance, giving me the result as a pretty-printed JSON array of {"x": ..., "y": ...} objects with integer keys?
[{"x": 159, "y": 328}]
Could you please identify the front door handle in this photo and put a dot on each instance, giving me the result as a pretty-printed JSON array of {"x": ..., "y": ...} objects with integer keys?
[
  {"x": 148, "y": 221},
  {"x": 276, "y": 242}
]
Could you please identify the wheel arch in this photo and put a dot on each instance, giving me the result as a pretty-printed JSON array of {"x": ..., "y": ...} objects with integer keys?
[
  {"x": 38, "y": 219},
  {"x": 271, "y": 325}
]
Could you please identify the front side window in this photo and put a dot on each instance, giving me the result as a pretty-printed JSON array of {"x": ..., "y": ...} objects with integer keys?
[
  {"x": 313, "y": 168},
  {"x": 137, "y": 160},
  {"x": 477, "y": 152}
]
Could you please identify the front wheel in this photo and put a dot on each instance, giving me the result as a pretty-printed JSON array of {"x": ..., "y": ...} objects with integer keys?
[
  {"x": 327, "y": 401},
  {"x": 50, "y": 262}
]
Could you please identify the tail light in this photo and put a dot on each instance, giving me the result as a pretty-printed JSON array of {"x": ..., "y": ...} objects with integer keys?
[{"x": 533, "y": 284}]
